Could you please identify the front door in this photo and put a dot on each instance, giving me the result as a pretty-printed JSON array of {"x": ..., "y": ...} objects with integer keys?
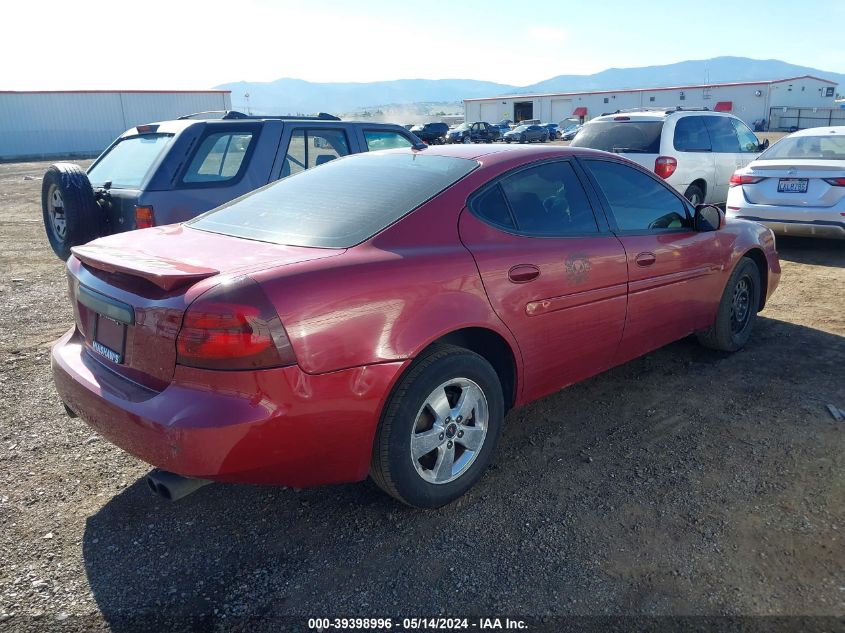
[
  {"x": 554, "y": 274},
  {"x": 672, "y": 288}
]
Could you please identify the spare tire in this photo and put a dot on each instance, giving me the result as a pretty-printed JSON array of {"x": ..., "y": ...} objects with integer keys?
[{"x": 71, "y": 214}]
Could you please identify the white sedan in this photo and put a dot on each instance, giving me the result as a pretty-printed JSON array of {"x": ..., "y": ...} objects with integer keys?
[{"x": 796, "y": 187}]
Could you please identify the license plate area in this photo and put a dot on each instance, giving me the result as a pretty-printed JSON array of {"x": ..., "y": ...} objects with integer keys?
[
  {"x": 792, "y": 185},
  {"x": 109, "y": 338}
]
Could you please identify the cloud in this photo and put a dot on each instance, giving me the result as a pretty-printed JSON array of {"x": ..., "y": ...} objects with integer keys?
[{"x": 548, "y": 34}]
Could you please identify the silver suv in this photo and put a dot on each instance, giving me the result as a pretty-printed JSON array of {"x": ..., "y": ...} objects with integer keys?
[{"x": 694, "y": 150}]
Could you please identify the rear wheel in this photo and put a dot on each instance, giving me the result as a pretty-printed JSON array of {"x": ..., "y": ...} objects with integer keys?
[
  {"x": 737, "y": 310},
  {"x": 439, "y": 429},
  {"x": 694, "y": 194},
  {"x": 70, "y": 212}
]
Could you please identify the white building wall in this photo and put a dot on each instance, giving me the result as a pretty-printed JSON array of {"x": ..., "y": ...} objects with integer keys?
[
  {"x": 66, "y": 124},
  {"x": 747, "y": 104}
]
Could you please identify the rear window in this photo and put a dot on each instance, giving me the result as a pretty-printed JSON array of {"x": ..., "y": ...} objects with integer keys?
[
  {"x": 641, "y": 137},
  {"x": 127, "y": 163},
  {"x": 829, "y": 147},
  {"x": 339, "y": 205}
]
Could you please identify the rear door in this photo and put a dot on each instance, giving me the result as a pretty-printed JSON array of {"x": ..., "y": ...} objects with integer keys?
[
  {"x": 694, "y": 155},
  {"x": 672, "y": 288},
  {"x": 553, "y": 272},
  {"x": 731, "y": 151},
  {"x": 305, "y": 147},
  {"x": 225, "y": 161}
]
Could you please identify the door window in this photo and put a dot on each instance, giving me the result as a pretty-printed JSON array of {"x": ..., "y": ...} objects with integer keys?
[
  {"x": 545, "y": 200},
  {"x": 638, "y": 201},
  {"x": 384, "y": 140},
  {"x": 748, "y": 141},
  {"x": 309, "y": 148},
  {"x": 722, "y": 134},
  {"x": 691, "y": 135}
]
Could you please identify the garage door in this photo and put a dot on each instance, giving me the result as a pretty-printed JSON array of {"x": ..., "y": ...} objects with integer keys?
[
  {"x": 561, "y": 109},
  {"x": 490, "y": 112}
]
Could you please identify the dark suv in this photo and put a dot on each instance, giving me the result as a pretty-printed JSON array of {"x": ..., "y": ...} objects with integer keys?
[
  {"x": 478, "y": 132},
  {"x": 431, "y": 133},
  {"x": 172, "y": 171}
]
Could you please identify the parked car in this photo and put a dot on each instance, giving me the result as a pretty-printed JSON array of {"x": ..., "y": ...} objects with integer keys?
[
  {"x": 431, "y": 133},
  {"x": 554, "y": 131},
  {"x": 569, "y": 133},
  {"x": 527, "y": 134},
  {"x": 172, "y": 171},
  {"x": 694, "y": 150},
  {"x": 329, "y": 325},
  {"x": 797, "y": 186},
  {"x": 478, "y": 132}
]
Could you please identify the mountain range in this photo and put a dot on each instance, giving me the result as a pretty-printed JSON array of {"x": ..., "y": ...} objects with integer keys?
[{"x": 290, "y": 96}]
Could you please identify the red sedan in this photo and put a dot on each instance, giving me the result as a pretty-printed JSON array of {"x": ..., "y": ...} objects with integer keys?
[{"x": 381, "y": 314}]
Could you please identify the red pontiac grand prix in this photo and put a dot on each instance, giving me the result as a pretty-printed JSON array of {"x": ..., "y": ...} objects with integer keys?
[{"x": 381, "y": 314}]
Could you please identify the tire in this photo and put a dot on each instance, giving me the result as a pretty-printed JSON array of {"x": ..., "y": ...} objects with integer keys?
[
  {"x": 445, "y": 372},
  {"x": 68, "y": 207},
  {"x": 694, "y": 194},
  {"x": 467, "y": 140},
  {"x": 737, "y": 310}
]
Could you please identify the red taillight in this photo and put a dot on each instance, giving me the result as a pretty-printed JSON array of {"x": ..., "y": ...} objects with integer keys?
[
  {"x": 233, "y": 326},
  {"x": 742, "y": 179},
  {"x": 144, "y": 217},
  {"x": 621, "y": 118},
  {"x": 665, "y": 166},
  {"x": 836, "y": 182}
]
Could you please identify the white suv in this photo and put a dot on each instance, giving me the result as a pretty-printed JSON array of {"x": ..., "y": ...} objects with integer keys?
[{"x": 694, "y": 150}]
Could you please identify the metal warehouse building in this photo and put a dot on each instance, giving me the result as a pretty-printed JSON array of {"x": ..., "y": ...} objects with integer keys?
[
  {"x": 784, "y": 103},
  {"x": 51, "y": 124}
]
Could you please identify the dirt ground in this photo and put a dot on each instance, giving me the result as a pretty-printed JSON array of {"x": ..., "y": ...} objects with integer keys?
[{"x": 687, "y": 482}]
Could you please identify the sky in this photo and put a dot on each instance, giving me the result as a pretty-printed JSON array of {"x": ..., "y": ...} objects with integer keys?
[{"x": 179, "y": 44}]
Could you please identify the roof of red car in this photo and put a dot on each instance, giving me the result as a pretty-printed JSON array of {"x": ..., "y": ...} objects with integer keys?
[{"x": 494, "y": 153}]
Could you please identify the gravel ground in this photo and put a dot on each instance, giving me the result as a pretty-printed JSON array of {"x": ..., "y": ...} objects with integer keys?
[{"x": 687, "y": 482}]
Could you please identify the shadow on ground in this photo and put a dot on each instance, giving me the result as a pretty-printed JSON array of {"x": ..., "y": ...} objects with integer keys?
[
  {"x": 687, "y": 481},
  {"x": 807, "y": 250}
]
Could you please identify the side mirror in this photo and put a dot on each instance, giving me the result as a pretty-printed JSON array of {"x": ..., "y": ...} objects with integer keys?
[
  {"x": 763, "y": 145},
  {"x": 708, "y": 218}
]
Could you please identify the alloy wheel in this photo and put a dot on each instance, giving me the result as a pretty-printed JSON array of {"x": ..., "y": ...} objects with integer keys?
[
  {"x": 56, "y": 212},
  {"x": 449, "y": 431}
]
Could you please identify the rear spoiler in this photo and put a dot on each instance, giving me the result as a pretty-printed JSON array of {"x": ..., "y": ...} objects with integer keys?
[{"x": 163, "y": 272}]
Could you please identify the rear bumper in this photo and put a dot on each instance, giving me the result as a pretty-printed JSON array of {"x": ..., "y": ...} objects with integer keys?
[
  {"x": 824, "y": 229},
  {"x": 279, "y": 426},
  {"x": 827, "y": 222}
]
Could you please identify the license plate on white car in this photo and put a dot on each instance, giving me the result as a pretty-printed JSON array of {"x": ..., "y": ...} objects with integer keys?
[{"x": 793, "y": 185}]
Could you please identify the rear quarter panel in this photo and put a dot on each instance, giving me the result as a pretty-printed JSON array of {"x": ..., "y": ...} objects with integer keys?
[
  {"x": 388, "y": 298},
  {"x": 174, "y": 202}
]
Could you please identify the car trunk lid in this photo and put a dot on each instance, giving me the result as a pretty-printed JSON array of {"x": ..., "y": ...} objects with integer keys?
[
  {"x": 130, "y": 291},
  {"x": 792, "y": 183}
]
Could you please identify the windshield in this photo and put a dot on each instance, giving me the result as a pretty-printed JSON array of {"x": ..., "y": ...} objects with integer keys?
[
  {"x": 461, "y": 127},
  {"x": 828, "y": 147},
  {"x": 521, "y": 128},
  {"x": 341, "y": 204},
  {"x": 127, "y": 163},
  {"x": 641, "y": 137}
]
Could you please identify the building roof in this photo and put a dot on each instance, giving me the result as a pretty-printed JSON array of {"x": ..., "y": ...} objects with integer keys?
[
  {"x": 66, "y": 92},
  {"x": 627, "y": 90}
]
